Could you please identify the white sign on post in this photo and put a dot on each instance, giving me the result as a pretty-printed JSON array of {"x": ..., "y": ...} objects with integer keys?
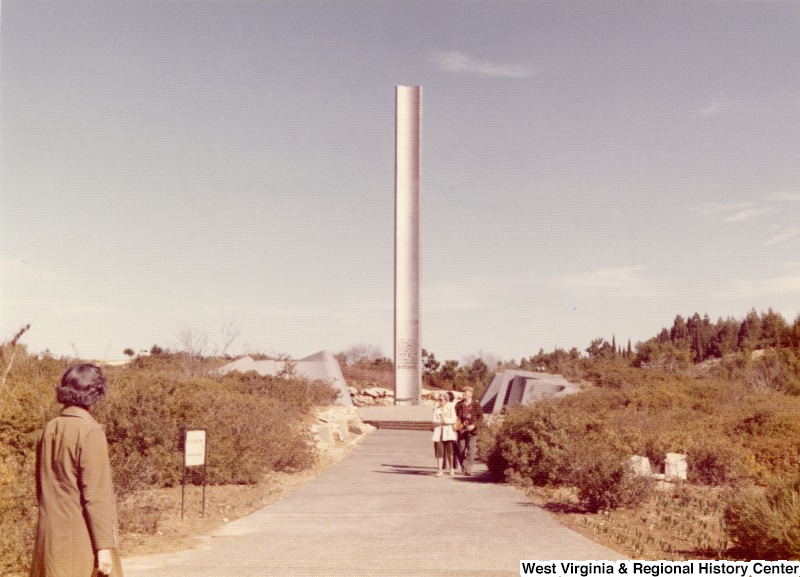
[
  {"x": 194, "y": 454},
  {"x": 195, "y": 448}
]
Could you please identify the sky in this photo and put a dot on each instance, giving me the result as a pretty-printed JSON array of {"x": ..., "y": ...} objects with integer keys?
[{"x": 588, "y": 170}]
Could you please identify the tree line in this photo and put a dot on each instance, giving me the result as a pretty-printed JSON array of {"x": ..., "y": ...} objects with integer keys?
[{"x": 690, "y": 340}]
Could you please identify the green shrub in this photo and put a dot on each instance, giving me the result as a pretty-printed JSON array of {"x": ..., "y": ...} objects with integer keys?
[
  {"x": 775, "y": 372},
  {"x": 715, "y": 460},
  {"x": 765, "y": 523},
  {"x": 241, "y": 450},
  {"x": 488, "y": 453},
  {"x": 253, "y": 424},
  {"x": 18, "y": 512},
  {"x": 536, "y": 441},
  {"x": 603, "y": 477},
  {"x": 298, "y": 393},
  {"x": 533, "y": 442},
  {"x": 769, "y": 428},
  {"x": 27, "y": 402}
]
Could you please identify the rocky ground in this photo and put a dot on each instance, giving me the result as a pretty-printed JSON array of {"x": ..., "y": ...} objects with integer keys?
[{"x": 371, "y": 396}]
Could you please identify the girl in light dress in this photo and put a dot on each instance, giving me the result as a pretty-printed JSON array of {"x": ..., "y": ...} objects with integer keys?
[{"x": 444, "y": 437}]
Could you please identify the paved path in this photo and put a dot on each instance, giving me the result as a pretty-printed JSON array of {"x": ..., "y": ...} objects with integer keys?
[{"x": 378, "y": 512}]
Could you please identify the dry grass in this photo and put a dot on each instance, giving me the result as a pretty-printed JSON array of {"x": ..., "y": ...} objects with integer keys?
[
  {"x": 678, "y": 522},
  {"x": 151, "y": 519},
  {"x": 364, "y": 376}
]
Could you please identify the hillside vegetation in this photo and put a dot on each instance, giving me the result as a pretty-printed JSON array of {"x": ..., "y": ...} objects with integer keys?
[
  {"x": 725, "y": 393},
  {"x": 255, "y": 425}
]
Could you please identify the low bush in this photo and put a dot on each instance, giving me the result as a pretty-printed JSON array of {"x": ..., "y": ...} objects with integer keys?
[
  {"x": 775, "y": 372},
  {"x": 603, "y": 477},
  {"x": 715, "y": 460},
  {"x": 488, "y": 453},
  {"x": 18, "y": 512},
  {"x": 536, "y": 441},
  {"x": 297, "y": 393},
  {"x": 368, "y": 375},
  {"x": 765, "y": 523},
  {"x": 769, "y": 429},
  {"x": 533, "y": 442},
  {"x": 253, "y": 424},
  {"x": 27, "y": 402}
]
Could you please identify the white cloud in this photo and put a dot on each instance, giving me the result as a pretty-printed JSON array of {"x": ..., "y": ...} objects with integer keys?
[
  {"x": 718, "y": 108},
  {"x": 712, "y": 110},
  {"x": 461, "y": 63},
  {"x": 624, "y": 282},
  {"x": 748, "y": 288},
  {"x": 745, "y": 214},
  {"x": 277, "y": 312},
  {"x": 716, "y": 208},
  {"x": 783, "y": 236},
  {"x": 784, "y": 195},
  {"x": 730, "y": 211},
  {"x": 453, "y": 296},
  {"x": 54, "y": 305},
  {"x": 40, "y": 292},
  {"x": 290, "y": 312}
]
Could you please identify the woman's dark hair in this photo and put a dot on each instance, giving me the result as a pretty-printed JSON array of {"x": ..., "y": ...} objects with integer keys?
[
  {"x": 81, "y": 386},
  {"x": 451, "y": 395}
]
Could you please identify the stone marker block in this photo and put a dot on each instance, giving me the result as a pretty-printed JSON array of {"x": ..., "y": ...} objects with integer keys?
[
  {"x": 640, "y": 466},
  {"x": 675, "y": 467}
]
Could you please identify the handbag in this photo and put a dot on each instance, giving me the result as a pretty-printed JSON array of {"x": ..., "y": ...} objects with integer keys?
[{"x": 458, "y": 425}]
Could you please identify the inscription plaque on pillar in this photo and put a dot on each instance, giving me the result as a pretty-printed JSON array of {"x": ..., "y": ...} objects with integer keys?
[{"x": 407, "y": 354}]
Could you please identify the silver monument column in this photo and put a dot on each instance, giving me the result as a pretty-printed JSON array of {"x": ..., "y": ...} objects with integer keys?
[{"x": 407, "y": 352}]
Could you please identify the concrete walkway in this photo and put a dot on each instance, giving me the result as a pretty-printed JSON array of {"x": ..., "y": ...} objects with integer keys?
[{"x": 380, "y": 511}]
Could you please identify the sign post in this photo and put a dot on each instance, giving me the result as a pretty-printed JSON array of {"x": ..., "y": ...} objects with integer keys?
[{"x": 194, "y": 455}]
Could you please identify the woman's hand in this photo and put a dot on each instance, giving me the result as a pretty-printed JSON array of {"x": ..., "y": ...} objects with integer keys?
[{"x": 104, "y": 561}]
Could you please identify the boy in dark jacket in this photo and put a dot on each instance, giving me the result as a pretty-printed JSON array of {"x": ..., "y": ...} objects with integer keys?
[{"x": 470, "y": 413}]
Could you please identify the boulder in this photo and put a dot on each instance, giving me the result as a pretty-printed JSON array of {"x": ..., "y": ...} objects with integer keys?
[
  {"x": 343, "y": 429},
  {"x": 355, "y": 426},
  {"x": 323, "y": 434},
  {"x": 362, "y": 400}
]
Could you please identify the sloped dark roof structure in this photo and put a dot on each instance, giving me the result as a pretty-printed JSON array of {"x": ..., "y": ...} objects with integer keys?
[{"x": 512, "y": 387}]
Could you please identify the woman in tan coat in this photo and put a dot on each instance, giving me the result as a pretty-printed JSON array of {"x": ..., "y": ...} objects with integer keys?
[{"x": 76, "y": 535}]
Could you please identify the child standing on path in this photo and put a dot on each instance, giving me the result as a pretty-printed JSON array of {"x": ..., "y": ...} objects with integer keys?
[{"x": 444, "y": 436}]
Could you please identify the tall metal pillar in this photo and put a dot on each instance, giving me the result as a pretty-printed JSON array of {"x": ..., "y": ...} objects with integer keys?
[{"x": 407, "y": 351}]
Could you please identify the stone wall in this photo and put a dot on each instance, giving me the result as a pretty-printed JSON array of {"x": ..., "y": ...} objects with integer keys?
[{"x": 380, "y": 396}]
